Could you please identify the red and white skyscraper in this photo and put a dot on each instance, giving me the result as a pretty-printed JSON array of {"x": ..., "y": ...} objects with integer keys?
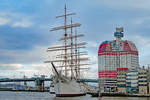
[{"x": 112, "y": 55}]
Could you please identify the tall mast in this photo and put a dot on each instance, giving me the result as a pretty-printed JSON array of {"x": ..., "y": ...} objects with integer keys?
[
  {"x": 65, "y": 41},
  {"x": 76, "y": 52},
  {"x": 71, "y": 51}
]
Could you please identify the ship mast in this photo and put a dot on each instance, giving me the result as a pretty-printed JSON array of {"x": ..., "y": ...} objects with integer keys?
[
  {"x": 71, "y": 51},
  {"x": 65, "y": 27},
  {"x": 72, "y": 55},
  {"x": 76, "y": 52},
  {"x": 65, "y": 41}
]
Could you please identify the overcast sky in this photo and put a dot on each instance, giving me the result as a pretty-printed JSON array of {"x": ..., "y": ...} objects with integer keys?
[{"x": 25, "y": 35}]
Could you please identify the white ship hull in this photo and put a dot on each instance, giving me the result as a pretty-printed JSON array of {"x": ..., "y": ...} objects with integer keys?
[{"x": 69, "y": 88}]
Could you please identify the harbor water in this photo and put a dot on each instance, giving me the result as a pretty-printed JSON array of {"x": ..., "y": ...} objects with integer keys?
[{"x": 47, "y": 96}]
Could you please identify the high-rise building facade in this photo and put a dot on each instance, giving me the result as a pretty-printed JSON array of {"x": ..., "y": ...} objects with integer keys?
[{"x": 115, "y": 54}]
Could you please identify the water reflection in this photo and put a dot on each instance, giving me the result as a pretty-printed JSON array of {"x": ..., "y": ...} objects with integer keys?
[
  {"x": 87, "y": 97},
  {"x": 47, "y": 96}
]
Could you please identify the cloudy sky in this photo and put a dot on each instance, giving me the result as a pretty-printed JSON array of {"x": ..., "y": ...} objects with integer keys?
[{"x": 25, "y": 35}]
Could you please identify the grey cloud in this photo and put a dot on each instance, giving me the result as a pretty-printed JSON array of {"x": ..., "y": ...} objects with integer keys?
[
  {"x": 36, "y": 55},
  {"x": 10, "y": 66}
]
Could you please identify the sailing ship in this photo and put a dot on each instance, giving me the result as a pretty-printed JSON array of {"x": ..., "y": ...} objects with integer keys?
[{"x": 69, "y": 62}]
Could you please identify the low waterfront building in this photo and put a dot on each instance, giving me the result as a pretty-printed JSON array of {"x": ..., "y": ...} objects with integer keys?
[
  {"x": 121, "y": 80},
  {"x": 148, "y": 78},
  {"x": 143, "y": 84},
  {"x": 148, "y": 89},
  {"x": 132, "y": 82}
]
